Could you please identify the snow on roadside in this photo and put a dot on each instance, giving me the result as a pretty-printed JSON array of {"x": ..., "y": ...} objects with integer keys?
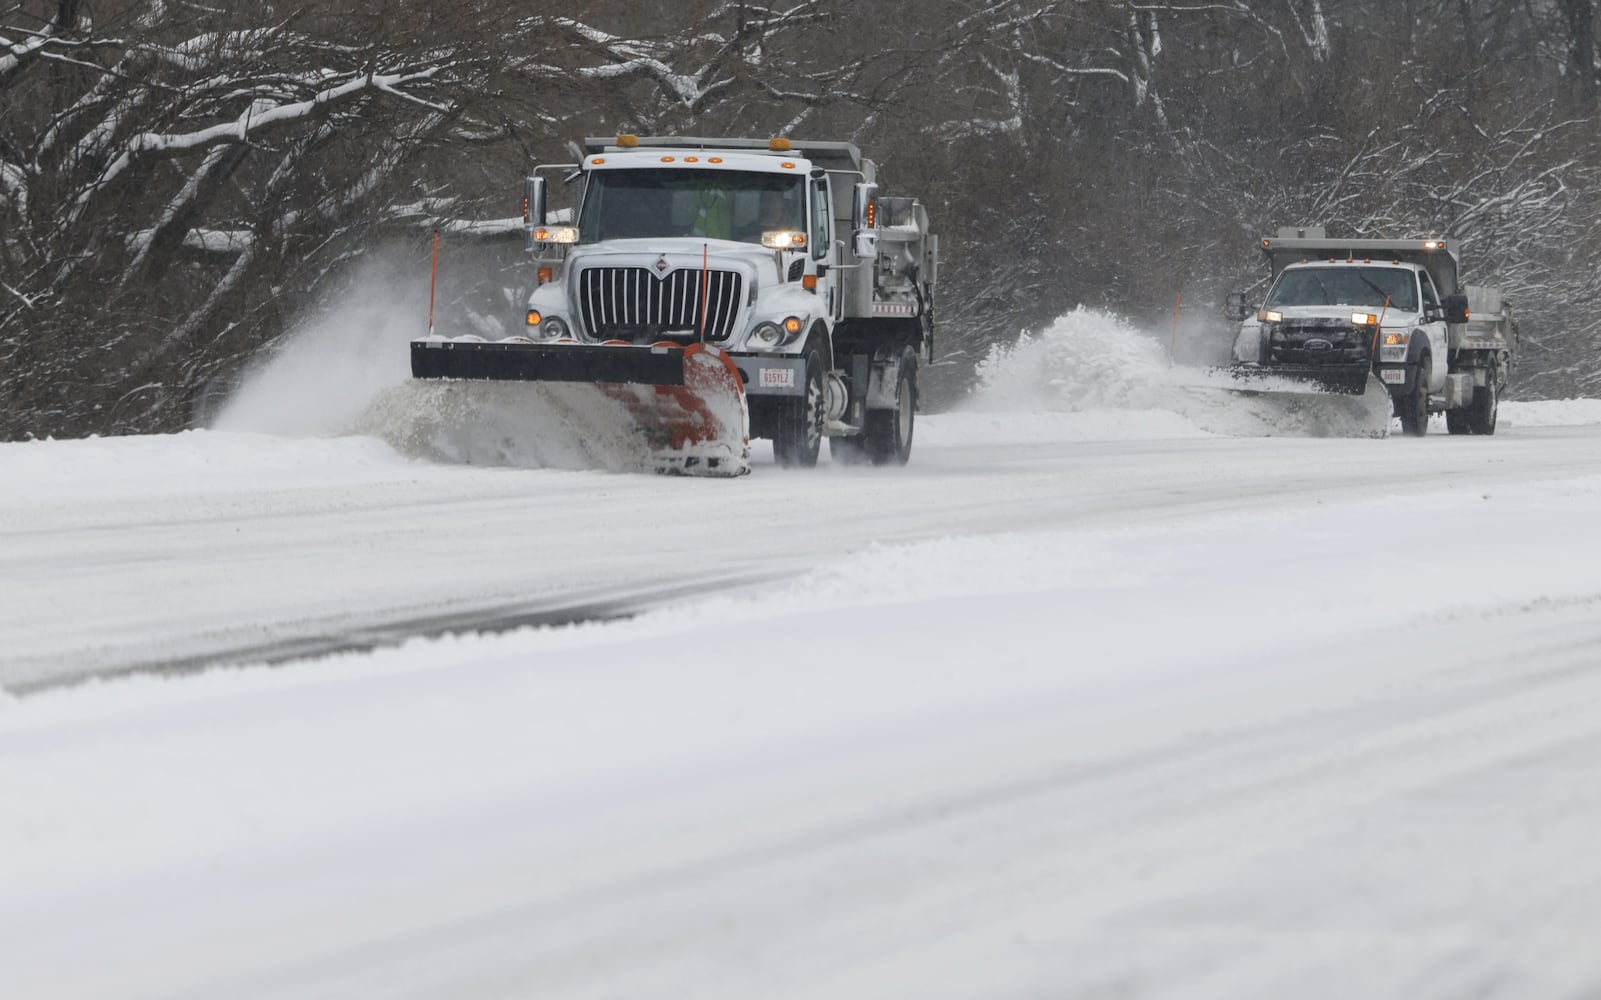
[
  {"x": 1550, "y": 413},
  {"x": 186, "y": 464}
]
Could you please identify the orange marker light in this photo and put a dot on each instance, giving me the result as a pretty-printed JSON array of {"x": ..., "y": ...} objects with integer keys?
[
  {"x": 544, "y": 275},
  {"x": 809, "y": 282},
  {"x": 533, "y": 318}
]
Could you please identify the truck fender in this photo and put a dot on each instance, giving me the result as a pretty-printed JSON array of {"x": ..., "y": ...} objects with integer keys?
[{"x": 1439, "y": 354}]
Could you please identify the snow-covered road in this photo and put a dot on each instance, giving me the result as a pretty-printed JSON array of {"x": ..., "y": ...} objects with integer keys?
[
  {"x": 1088, "y": 703},
  {"x": 172, "y": 551}
]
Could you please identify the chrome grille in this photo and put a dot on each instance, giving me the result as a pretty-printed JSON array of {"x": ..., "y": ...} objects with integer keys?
[{"x": 631, "y": 303}]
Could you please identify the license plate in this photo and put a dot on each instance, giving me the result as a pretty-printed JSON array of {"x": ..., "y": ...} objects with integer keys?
[
  {"x": 778, "y": 378},
  {"x": 1393, "y": 376}
]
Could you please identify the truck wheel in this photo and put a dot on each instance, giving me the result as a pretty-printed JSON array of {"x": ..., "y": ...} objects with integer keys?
[
  {"x": 1481, "y": 412},
  {"x": 798, "y": 429},
  {"x": 1413, "y": 408},
  {"x": 889, "y": 432}
]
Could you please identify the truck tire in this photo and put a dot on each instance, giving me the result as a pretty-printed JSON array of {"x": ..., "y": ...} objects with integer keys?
[
  {"x": 798, "y": 429},
  {"x": 889, "y": 432},
  {"x": 1413, "y": 408},
  {"x": 1481, "y": 412}
]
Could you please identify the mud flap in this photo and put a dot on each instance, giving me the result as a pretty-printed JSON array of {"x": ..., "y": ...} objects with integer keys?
[{"x": 621, "y": 407}]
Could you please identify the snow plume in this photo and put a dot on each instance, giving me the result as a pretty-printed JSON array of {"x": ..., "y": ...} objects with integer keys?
[
  {"x": 1089, "y": 362},
  {"x": 1084, "y": 361},
  {"x": 326, "y": 372}
]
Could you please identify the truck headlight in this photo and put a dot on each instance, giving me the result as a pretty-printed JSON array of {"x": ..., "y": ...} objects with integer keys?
[
  {"x": 1397, "y": 337},
  {"x": 783, "y": 239},
  {"x": 767, "y": 335},
  {"x": 553, "y": 328},
  {"x": 561, "y": 235}
]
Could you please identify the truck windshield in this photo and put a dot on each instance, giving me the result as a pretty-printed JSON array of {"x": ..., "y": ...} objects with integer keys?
[
  {"x": 1345, "y": 286},
  {"x": 711, "y": 204}
]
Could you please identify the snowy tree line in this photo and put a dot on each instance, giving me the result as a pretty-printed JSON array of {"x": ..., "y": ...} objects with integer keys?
[{"x": 179, "y": 181}]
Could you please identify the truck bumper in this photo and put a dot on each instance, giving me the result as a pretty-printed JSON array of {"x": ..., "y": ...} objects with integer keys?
[
  {"x": 769, "y": 375},
  {"x": 1398, "y": 378}
]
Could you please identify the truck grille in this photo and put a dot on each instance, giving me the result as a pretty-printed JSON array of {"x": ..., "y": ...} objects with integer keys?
[
  {"x": 631, "y": 303},
  {"x": 1317, "y": 342}
]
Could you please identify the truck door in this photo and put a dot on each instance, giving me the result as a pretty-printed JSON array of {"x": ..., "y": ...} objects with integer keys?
[
  {"x": 820, "y": 239},
  {"x": 1432, "y": 321}
]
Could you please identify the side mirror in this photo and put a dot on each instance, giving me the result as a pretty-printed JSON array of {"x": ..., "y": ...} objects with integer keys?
[
  {"x": 865, "y": 245},
  {"x": 1235, "y": 307},
  {"x": 1456, "y": 308},
  {"x": 533, "y": 207},
  {"x": 864, "y": 207}
]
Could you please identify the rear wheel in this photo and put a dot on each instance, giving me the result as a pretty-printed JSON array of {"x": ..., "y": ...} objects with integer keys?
[
  {"x": 1481, "y": 412},
  {"x": 1413, "y": 408},
  {"x": 798, "y": 427},
  {"x": 889, "y": 432}
]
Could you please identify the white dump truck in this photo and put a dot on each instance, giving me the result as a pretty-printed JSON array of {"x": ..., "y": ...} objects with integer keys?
[
  {"x": 704, "y": 282},
  {"x": 1350, "y": 314}
]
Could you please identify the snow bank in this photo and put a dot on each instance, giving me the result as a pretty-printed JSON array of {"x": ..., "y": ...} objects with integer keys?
[{"x": 1550, "y": 413}]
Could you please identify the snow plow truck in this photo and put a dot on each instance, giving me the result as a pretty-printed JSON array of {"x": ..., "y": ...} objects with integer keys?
[
  {"x": 1374, "y": 316},
  {"x": 703, "y": 291}
]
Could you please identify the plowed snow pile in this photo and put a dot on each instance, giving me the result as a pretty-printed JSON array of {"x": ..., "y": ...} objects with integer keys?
[{"x": 1118, "y": 382}]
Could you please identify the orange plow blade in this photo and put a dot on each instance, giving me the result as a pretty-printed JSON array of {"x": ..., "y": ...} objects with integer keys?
[{"x": 666, "y": 407}]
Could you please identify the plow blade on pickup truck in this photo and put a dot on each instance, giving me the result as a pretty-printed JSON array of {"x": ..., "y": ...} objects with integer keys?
[
  {"x": 665, "y": 407},
  {"x": 1343, "y": 380},
  {"x": 1319, "y": 400}
]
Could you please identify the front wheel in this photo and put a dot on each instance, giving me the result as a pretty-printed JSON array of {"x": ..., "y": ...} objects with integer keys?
[
  {"x": 798, "y": 429},
  {"x": 889, "y": 432},
  {"x": 1413, "y": 408}
]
